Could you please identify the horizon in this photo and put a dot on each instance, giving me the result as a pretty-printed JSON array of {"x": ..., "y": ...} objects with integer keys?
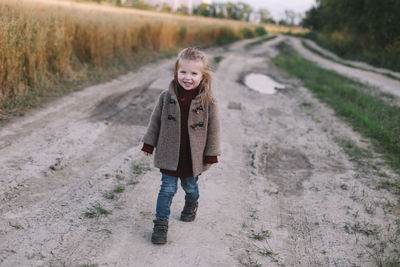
[{"x": 275, "y": 7}]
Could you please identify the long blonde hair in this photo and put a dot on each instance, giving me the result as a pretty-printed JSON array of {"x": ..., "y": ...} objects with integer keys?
[{"x": 192, "y": 53}]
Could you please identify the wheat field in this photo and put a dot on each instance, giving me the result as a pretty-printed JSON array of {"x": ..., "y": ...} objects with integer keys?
[{"x": 44, "y": 42}]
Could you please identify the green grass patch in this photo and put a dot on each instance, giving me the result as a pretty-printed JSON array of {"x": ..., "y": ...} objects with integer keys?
[
  {"x": 95, "y": 211},
  {"x": 109, "y": 195},
  {"x": 105, "y": 230},
  {"x": 369, "y": 115},
  {"x": 218, "y": 59},
  {"x": 355, "y": 153},
  {"x": 139, "y": 168},
  {"x": 393, "y": 187},
  {"x": 119, "y": 189},
  {"x": 262, "y": 40},
  {"x": 263, "y": 234},
  {"x": 100, "y": 210}
]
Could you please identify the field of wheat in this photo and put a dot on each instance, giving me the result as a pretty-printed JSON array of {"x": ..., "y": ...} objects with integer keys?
[{"x": 46, "y": 43}]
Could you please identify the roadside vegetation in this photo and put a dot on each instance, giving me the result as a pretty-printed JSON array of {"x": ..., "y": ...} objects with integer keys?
[
  {"x": 362, "y": 30},
  {"x": 315, "y": 51},
  {"x": 370, "y": 115},
  {"x": 49, "y": 49}
]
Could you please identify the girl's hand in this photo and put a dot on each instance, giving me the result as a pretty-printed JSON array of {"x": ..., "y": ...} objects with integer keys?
[{"x": 147, "y": 153}]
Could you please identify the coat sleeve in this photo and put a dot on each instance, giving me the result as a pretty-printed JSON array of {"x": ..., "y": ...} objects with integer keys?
[
  {"x": 153, "y": 129},
  {"x": 213, "y": 132}
]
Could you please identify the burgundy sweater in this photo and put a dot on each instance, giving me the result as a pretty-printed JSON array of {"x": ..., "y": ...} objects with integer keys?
[{"x": 185, "y": 159}]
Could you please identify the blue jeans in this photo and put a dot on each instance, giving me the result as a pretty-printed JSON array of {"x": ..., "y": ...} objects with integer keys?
[{"x": 168, "y": 189}]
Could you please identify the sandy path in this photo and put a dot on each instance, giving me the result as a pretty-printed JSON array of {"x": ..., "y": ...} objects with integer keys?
[
  {"x": 281, "y": 175},
  {"x": 383, "y": 83}
]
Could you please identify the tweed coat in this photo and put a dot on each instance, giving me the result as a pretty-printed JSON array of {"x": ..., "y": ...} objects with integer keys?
[{"x": 163, "y": 132}]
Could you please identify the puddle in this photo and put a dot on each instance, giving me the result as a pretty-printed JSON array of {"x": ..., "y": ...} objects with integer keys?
[{"x": 262, "y": 83}]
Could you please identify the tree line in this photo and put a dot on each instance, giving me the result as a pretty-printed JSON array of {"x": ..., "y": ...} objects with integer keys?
[
  {"x": 358, "y": 24},
  {"x": 229, "y": 10}
]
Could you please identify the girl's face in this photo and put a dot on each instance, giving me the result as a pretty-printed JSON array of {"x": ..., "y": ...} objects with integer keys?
[{"x": 190, "y": 73}]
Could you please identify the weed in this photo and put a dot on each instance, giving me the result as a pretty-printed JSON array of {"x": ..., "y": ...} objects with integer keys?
[
  {"x": 392, "y": 186},
  {"x": 16, "y": 225},
  {"x": 370, "y": 208},
  {"x": 109, "y": 195},
  {"x": 105, "y": 231},
  {"x": 387, "y": 206},
  {"x": 120, "y": 177},
  {"x": 119, "y": 189},
  {"x": 253, "y": 214},
  {"x": 356, "y": 153},
  {"x": 306, "y": 104},
  {"x": 266, "y": 252},
  {"x": 132, "y": 182},
  {"x": 90, "y": 213},
  {"x": 250, "y": 262},
  {"x": 271, "y": 192},
  {"x": 389, "y": 261},
  {"x": 96, "y": 211},
  {"x": 218, "y": 59},
  {"x": 356, "y": 214},
  {"x": 262, "y": 235},
  {"x": 365, "y": 228},
  {"x": 344, "y": 187},
  {"x": 101, "y": 210},
  {"x": 139, "y": 168}
]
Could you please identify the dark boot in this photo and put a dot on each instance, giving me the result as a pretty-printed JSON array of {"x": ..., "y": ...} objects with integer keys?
[
  {"x": 189, "y": 211},
  {"x": 160, "y": 231}
]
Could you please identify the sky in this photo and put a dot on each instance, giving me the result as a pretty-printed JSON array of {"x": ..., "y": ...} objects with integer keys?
[{"x": 277, "y": 7}]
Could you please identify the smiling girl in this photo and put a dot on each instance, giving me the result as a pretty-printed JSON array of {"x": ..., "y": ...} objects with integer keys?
[{"x": 184, "y": 129}]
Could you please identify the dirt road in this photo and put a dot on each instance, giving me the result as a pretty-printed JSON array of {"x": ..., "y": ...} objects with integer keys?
[
  {"x": 284, "y": 192},
  {"x": 371, "y": 76}
]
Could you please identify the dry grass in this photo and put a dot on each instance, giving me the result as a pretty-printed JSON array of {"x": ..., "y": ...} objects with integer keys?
[
  {"x": 44, "y": 43},
  {"x": 276, "y": 29}
]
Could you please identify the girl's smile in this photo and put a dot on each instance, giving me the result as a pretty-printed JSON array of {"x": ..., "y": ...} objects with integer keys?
[{"x": 190, "y": 73}]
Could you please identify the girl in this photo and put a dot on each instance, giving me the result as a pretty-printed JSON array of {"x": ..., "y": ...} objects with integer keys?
[{"x": 184, "y": 128}]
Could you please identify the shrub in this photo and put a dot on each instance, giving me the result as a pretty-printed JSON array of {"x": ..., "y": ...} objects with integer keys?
[
  {"x": 226, "y": 36},
  {"x": 260, "y": 30},
  {"x": 247, "y": 33}
]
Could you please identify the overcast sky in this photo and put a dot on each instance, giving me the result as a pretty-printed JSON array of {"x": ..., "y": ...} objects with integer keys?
[{"x": 277, "y": 7}]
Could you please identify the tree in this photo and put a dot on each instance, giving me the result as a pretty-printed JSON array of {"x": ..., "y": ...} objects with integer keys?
[
  {"x": 203, "y": 10},
  {"x": 244, "y": 11},
  {"x": 312, "y": 19},
  {"x": 165, "y": 7},
  {"x": 265, "y": 16},
  {"x": 290, "y": 16},
  {"x": 374, "y": 23}
]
